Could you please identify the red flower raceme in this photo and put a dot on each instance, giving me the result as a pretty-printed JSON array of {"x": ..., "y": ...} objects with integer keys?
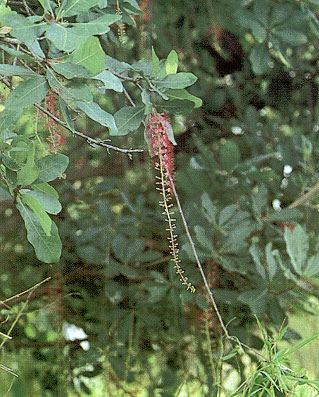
[{"x": 158, "y": 131}]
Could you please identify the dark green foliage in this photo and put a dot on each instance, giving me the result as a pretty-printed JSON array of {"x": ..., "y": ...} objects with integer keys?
[{"x": 238, "y": 79}]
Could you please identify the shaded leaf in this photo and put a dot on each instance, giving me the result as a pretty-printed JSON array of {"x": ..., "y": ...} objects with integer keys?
[
  {"x": 52, "y": 167},
  {"x": 297, "y": 243},
  {"x": 90, "y": 55},
  {"x": 13, "y": 70},
  {"x": 47, "y": 248},
  {"x": 96, "y": 113},
  {"x": 34, "y": 204},
  {"x": 176, "y": 81},
  {"x": 128, "y": 119},
  {"x": 27, "y": 93}
]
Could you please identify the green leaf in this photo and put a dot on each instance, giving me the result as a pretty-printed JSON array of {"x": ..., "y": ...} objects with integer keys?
[
  {"x": 27, "y": 175},
  {"x": 63, "y": 37},
  {"x": 39, "y": 211},
  {"x": 49, "y": 202},
  {"x": 96, "y": 113},
  {"x": 75, "y": 7},
  {"x": 110, "y": 82},
  {"x": 297, "y": 243},
  {"x": 128, "y": 119},
  {"x": 76, "y": 91},
  {"x": 67, "y": 38},
  {"x": 46, "y": 5},
  {"x": 291, "y": 37},
  {"x": 271, "y": 262},
  {"x": 171, "y": 64},
  {"x": 255, "y": 253},
  {"x": 12, "y": 70},
  {"x": 285, "y": 215},
  {"x": 259, "y": 198},
  {"x": 256, "y": 299},
  {"x": 23, "y": 28},
  {"x": 261, "y": 10},
  {"x": 90, "y": 55},
  {"x": 176, "y": 106},
  {"x": 155, "y": 63},
  {"x": 47, "y": 248},
  {"x": 259, "y": 58},
  {"x": 65, "y": 114},
  {"x": 229, "y": 155},
  {"x": 52, "y": 167},
  {"x": 209, "y": 209},
  {"x": 18, "y": 54},
  {"x": 176, "y": 81},
  {"x": 226, "y": 214},
  {"x": 202, "y": 238},
  {"x": 47, "y": 189},
  {"x": 184, "y": 95},
  {"x": 98, "y": 26},
  {"x": 259, "y": 32},
  {"x": 312, "y": 267},
  {"x": 27, "y": 93},
  {"x": 146, "y": 99},
  {"x": 70, "y": 70},
  {"x": 9, "y": 117}
]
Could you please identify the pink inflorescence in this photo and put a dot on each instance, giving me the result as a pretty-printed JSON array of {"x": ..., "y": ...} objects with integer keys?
[
  {"x": 157, "y": 128},
  {"x": 56, "y": 138}
]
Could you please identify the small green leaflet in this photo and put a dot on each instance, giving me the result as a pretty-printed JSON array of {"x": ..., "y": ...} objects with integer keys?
[
  {"x": 23, "y": 28},
  {"x": 90, "y": 55},
  {"x": 27, "y": 175},
  {"x": 27, "y": 93},
  {"x": 35, "y": 205},
  {"x": 155, "y": 64},
  {"x": 46, "y": 5},
  {"x": 49, "y": 202},
  {"x": 96, "y": 113},
  {"x": 47, "y": 248},
  {"x": 75, "y": 7},
  {"x": 176, "y": 81},
  {"x": 110, "y": 81},
  {"x": 129, "y": 119},
  {"x": 70, "y": 70},
  {"x": 52, "y": 167},
  {"x": 184, "y": 95},
  {"x": 12, "y": 70},
  {"x": 297, "y": 242},
  {"x": 171, "y": 64},
  {"x": 67, "y": 38}
]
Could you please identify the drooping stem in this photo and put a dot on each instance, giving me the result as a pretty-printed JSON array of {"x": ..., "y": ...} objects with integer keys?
[
  {"x": 164, "y": 189},
  {"x": 200, "y": 267}
]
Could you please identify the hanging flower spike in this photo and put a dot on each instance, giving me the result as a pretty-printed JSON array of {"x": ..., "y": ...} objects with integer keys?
[{"x": 158, "y": 134}]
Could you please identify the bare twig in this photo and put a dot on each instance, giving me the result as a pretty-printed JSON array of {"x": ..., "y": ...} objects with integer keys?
[
  {"x": 306, "y": 197},
  {"x": 200, "y": 267},
  {"x": 89, "y": 140},
  {"x": 212, "y": 299},
  {"x": 25, "y": 292},
  {"x": 30, "y": 290}
]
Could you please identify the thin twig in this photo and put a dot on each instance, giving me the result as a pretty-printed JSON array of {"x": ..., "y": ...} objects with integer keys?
[
  {"x": 89, "y": 140},
  {"x": 22, "y": 309},
  {"x": 129, "y": 97},
  {"x": 191, "y": 242},
  {"x": 25, "y": 292},
  {"x": 306, "y": 197},
  {"x": 212, "y": 299}
]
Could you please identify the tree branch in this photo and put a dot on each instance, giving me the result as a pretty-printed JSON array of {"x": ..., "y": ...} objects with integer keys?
[{"x": 88, "y": 139}]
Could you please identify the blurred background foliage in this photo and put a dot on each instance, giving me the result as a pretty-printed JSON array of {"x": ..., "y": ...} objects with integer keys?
[{"x": 114, "y": 319}]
